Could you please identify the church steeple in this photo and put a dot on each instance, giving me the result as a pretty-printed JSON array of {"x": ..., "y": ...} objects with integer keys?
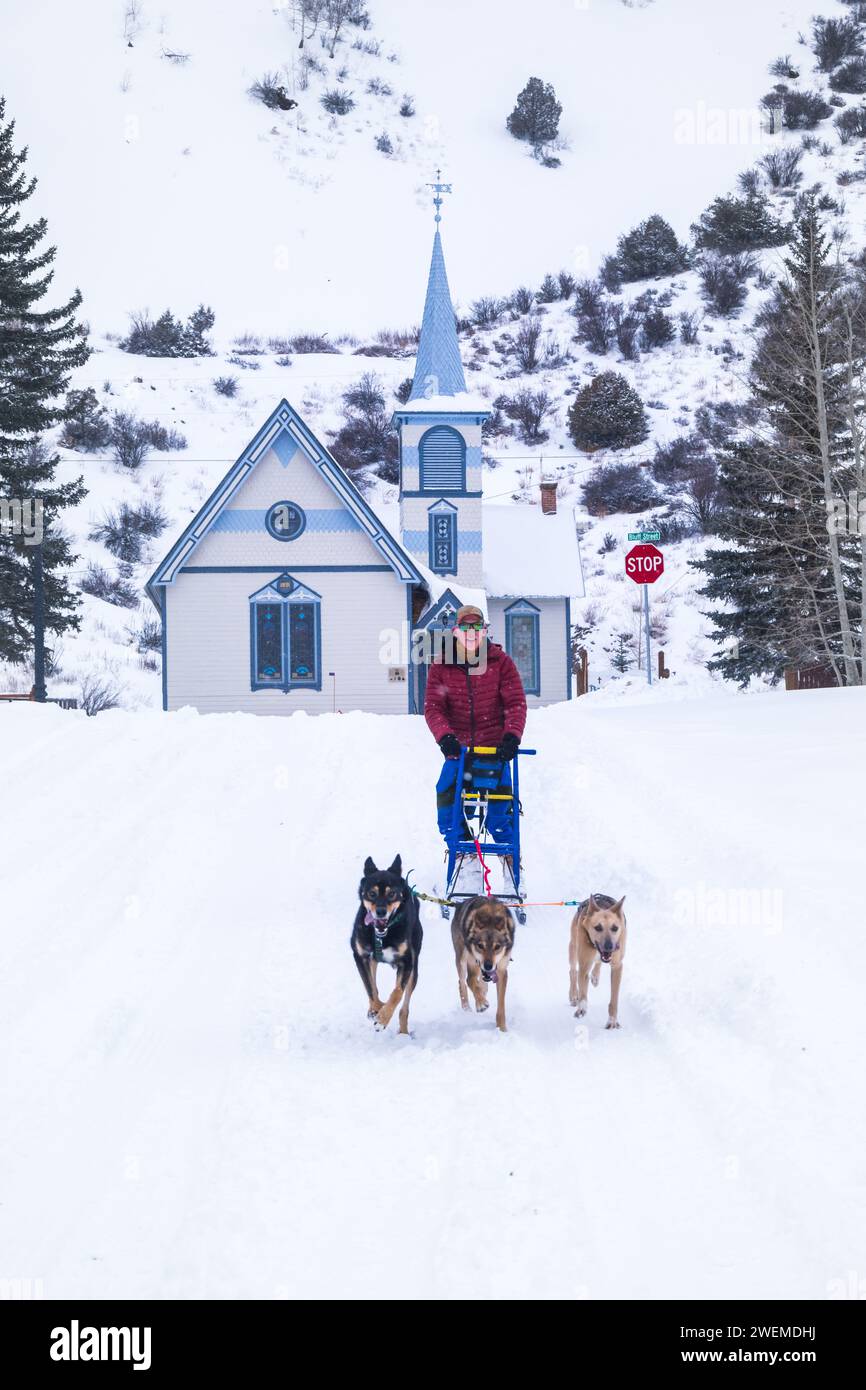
[
  {"x": 438, "y": 366},
  {"x": 440, "y": 441}
]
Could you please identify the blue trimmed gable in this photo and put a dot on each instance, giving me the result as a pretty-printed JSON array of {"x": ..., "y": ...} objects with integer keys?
[{"x": 286, "y": 435}]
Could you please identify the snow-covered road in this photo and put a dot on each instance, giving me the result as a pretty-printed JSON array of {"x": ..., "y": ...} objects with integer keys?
[{"x": 193, "y": 1102}]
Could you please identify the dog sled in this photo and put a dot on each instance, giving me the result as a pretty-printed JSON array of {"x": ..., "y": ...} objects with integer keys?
[{"x": 482, "y": 782}]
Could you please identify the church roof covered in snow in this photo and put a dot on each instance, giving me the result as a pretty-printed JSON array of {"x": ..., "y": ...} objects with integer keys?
[{"x": 530, "y": 553}]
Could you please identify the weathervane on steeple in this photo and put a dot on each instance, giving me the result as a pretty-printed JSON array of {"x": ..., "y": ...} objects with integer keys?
[{"x": 439, "y": 188}]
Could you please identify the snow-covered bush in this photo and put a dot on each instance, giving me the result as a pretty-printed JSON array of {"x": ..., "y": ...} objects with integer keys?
[
  {"x": 782, "y": 167},
  {"x": 690, "y": 324},
  {"x": 271, "y": 92},
  {"x": 522, "y": 301},
  {"x": 549, "y": 291},
  {"x": 607, "y": 414},
  {"x": 676, "y": 460},
  {"x": 226, "y": 385},
  {"x": 526, "y": 343},
  {"x": 113, "y": 588},
  {"x": 650, "y": 249},
  {"x": 626, "y": 327},
  {"x": 851, "y": 124},
  {"x": 619, "y": 487},
  {"x": 835, "y": 40},
  {"x": 724, "y": 282},
  {"x": 487, "y": 311},
  {"x": 595, "y": 322},
  {"x": 800, "y": 110},
  {"x": 98, "y": 693},
  {"x": 733, "y": 224},
  {"x": 850, "y": 77},
  {"x": 383, "y": 143},
  {"x": 128, "y": 443},
  {"x": 338, "y": 103},
  {"x": 783, "y": 67},
  {"x": 366, "y": 438},
  {"x": 312, "y": 342},
  {"x": 87, "y": 426},
  {"x": 657, "y": 329},
  {"x": 529, "y": 409},
  {"x": 168, "y": 337},
  {"x": 125, "y": 531}
]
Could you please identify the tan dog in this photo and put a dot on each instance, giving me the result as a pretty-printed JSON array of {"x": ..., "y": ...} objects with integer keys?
[
  {"x": 597, "y": 935},
  {"x": 483, "y": 932}
]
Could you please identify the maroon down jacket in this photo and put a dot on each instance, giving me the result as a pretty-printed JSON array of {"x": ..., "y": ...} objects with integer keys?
[{"x": 477, "y": 707}]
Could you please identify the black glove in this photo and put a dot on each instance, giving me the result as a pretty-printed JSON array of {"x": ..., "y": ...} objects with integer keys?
[
  {"x": 507, "y": 749},
  {"x": 450, "y": 746}
]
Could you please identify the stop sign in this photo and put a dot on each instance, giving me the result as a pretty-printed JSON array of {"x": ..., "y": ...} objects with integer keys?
[{"x": 644, "y": 564}]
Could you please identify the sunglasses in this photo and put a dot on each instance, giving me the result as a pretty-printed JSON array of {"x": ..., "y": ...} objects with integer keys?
[{"x": 472, "y": 627}]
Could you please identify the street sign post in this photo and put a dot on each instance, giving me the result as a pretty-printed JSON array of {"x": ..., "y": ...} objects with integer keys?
[{"x": 645, "y": 564}]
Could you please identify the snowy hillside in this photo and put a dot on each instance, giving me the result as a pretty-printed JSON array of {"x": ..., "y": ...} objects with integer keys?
[
  {"x": 198, "y": 1107},
  {"x": 164, "y": 184},
  {"x": 294, "y": 221}
]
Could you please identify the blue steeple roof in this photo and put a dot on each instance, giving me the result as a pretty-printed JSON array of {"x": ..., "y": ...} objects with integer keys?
[{"x": 438, "y": 368}]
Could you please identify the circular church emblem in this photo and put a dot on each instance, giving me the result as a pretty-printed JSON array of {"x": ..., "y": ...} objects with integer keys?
[{"x": 285, "y": 521}]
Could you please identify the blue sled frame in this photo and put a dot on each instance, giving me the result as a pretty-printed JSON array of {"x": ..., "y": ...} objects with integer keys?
[{"x": 485, "y": 773}]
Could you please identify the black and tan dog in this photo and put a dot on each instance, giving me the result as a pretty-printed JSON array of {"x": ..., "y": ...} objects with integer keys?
[
  {"x": 597, "y": 935},
  {"x": 483, "y": 932},
  {"x": 387, "y": 929}
]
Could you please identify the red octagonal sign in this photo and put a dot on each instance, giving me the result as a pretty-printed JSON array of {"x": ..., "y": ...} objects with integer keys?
[{"x": 644, "y": 564}]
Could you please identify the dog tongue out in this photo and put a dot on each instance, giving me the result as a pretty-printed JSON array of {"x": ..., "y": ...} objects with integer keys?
[{"x": 371, "y": 920}]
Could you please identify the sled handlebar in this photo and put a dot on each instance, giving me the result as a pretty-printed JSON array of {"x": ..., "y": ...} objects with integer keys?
[{"x": 529, "y": 752}]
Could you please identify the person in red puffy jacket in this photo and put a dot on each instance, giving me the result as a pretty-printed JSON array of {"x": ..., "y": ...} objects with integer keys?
[{"x": 476, "y": 700}]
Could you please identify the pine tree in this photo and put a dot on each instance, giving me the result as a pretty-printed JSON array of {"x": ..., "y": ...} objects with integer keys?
[
  {"x": 730, "y": 225},
  {"x": 536, "y": 115},
  {"x": 607, "y": 414},
  {"x": 650, "y": 249},
  {"x": 793, "y": 588},
  {"x": 39, "y": 347}
]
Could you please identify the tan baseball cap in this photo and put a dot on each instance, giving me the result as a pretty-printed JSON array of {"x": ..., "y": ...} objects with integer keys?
[{"x": 469, "y": 613}]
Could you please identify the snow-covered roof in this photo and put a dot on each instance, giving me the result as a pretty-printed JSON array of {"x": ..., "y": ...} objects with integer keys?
[
  {"x": 458, "y": 403},
  {"x": 530, "y": 554},
  {"x": 439, "y": 584}
]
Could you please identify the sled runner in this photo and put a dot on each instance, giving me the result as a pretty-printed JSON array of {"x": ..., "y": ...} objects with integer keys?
[{"x": 482, "y": 783}]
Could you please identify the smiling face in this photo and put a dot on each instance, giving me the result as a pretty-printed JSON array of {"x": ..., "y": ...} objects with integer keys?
[{"x": 604, "y": 927}]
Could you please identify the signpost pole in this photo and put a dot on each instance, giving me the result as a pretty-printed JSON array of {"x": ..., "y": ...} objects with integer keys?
[{"x": 649, "y": 669}]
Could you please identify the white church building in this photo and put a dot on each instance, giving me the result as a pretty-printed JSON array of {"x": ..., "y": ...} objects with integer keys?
[{"x": 288, "y": 591}]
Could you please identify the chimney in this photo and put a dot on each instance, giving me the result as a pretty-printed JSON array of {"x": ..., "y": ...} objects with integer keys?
[{"x": 548, "y": 496}]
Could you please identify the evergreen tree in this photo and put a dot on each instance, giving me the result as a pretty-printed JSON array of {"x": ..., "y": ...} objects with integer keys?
[
  {"x": 621, "y": 654},
  {"x": 732, "y": 224},
  {"x": 535, "y": 117},
  {"x": 650, "y": 249},
  {"x": 791, "y": 584},
  {"x": 39, "y": 347},
  {"x": 607, "y": 414}
]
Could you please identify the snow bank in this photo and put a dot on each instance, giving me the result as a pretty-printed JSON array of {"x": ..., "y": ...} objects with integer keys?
[{"x": 196, "y": 1101}]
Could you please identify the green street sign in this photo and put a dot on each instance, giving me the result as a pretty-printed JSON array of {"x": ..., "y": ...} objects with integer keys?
[{"x": 644, "y": 535}]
